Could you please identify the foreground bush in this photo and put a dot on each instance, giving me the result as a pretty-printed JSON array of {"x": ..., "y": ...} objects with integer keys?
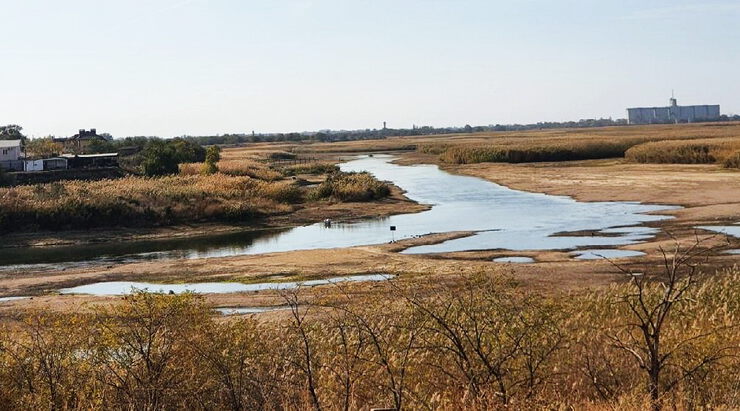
[
  {"x": 477, "y": 342},
  {"x": 702, "y": 151}
]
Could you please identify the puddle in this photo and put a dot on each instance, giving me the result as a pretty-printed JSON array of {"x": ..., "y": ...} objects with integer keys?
[
  {"x": 734, "y": 252},
  {"x": 5, "y": 299},
  {"x": 127, "y": 287},
  {"x": 517, "y": 260},
  {"x": 731, "y": 230},
  {"x": 605, "y": 253},
  {"x": 249, "y": 310}
]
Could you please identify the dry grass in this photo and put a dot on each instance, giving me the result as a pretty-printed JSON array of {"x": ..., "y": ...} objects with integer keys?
[
  {"x": 245, "y": 167},
  {"x": 699, "y": 151},
  {"x": 140, "y": 201},
  {"x": 479, "y": 343}
]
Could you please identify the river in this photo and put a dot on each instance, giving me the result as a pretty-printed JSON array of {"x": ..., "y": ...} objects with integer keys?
[{"x": 502, "y": 218}]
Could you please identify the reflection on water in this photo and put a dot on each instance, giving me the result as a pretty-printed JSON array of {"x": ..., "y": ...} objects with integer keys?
[
  {"x": 127, "y": 287},
  {"x": 502, "y": 218},
  {"x": 605, "y": 253}
]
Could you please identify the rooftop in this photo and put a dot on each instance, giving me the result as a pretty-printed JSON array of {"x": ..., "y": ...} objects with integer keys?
[{"x": 10, "y": 143}]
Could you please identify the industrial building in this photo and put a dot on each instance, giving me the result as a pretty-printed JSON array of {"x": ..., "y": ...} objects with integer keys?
[{"x": 673, "y": 114}]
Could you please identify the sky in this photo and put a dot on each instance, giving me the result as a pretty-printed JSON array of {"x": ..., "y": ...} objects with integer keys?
[{"x": 204, "y": 67}]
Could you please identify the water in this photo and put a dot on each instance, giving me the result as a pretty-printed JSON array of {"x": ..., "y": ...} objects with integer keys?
[
  {"x": 249, "y": 310},
  {"x": 733, "y": 252},
  {"x": 501, "y": 217},
  {"x": 7, "y": 299},
  {"x": 605, "y": 253},
  {"x": 731, "y": 230},
  {"x": 127, "y": 287},
  {"x": 516, "y": 260}
]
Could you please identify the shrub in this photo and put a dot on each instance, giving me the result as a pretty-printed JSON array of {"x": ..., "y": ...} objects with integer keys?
[
  {"x": 351, "y": 187},
  {"x": 159, "y": 159}
]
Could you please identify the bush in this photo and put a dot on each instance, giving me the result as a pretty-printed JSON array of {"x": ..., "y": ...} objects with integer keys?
[
  {"x": 351, "y": 187},
  {"x": 159, "y": 159}
]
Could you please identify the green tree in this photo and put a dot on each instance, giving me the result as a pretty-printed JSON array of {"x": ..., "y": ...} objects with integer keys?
[
  {"x": 187, "y": 151},
  {"x": 12, "y": 132},
  {"x": 158, "y": 158},
  {"x": 213, "y": 155}
]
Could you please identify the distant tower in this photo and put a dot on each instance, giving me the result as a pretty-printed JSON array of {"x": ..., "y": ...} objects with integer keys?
[
  {"x": 384, "y": 127},
  {"x": 673, "y": 102}
]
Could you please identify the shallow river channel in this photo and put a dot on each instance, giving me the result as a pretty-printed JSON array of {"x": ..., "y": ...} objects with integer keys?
[{"x": 501, "y": 217}]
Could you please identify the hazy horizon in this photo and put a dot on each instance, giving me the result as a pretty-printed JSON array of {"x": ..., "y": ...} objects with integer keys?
[{"x": 202, "y": 67}]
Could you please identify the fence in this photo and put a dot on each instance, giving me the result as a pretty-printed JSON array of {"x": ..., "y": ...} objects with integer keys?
[{"x": 11, "y": 165}]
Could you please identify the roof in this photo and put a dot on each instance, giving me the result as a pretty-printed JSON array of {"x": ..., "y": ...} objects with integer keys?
[
  {"x": 102, "y": 155},
  {"x": 10, "y": 143}
]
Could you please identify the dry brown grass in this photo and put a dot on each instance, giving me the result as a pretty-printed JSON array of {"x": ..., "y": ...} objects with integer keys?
[
  {"x": 479, "y": 344},
  {"x": 696, "y": 151},
  {"x": 139, "y": 201}
]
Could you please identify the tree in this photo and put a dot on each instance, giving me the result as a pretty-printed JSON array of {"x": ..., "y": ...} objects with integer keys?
[
  {"x": 12, "y": 132},
  {"x": 213, "y": 155},
  {"x": 660, "y": 334},
  {"x": 43, "y": 147},
  {"x": 158, "y": 159},
  {"x": 187, "y": 151}
]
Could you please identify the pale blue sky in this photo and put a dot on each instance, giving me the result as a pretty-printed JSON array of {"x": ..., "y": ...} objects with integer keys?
[{"x": 172, "y": 67}]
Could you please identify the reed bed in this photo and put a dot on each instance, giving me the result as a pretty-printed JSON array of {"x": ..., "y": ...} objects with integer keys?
[
  {"x": 141, "y": 201},
  {"x": 699, "y": 151},
  {"x": 529, "y": 153},
  {"x": 246, "y": 167}
]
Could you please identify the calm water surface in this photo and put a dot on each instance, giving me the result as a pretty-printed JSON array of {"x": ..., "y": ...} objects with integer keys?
[
  {"x": 501, "y": 217},
  {"x": 127, "y": 287}
]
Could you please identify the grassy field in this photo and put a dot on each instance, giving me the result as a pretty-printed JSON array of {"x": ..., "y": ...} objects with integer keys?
[{"x": 530, "y": 146}]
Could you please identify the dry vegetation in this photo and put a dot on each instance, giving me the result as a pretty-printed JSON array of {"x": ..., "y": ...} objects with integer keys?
[
  {"x": 142, "y": 201},
  {"x": 479, "y": 342},
  {"x": 699, "y": 151},
  {"x": 243, "y": 189}
]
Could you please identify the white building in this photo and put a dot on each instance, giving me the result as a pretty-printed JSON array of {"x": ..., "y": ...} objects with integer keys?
[
  {"x": 673, "y": 114},
  {"x": 11, "y": 153},
  {"x": 10, "y": 150}
]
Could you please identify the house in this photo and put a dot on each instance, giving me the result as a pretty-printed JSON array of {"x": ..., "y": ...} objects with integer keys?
[
  {"x": 79, "y": 142},
  {"x": 11, "y": 152}
]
